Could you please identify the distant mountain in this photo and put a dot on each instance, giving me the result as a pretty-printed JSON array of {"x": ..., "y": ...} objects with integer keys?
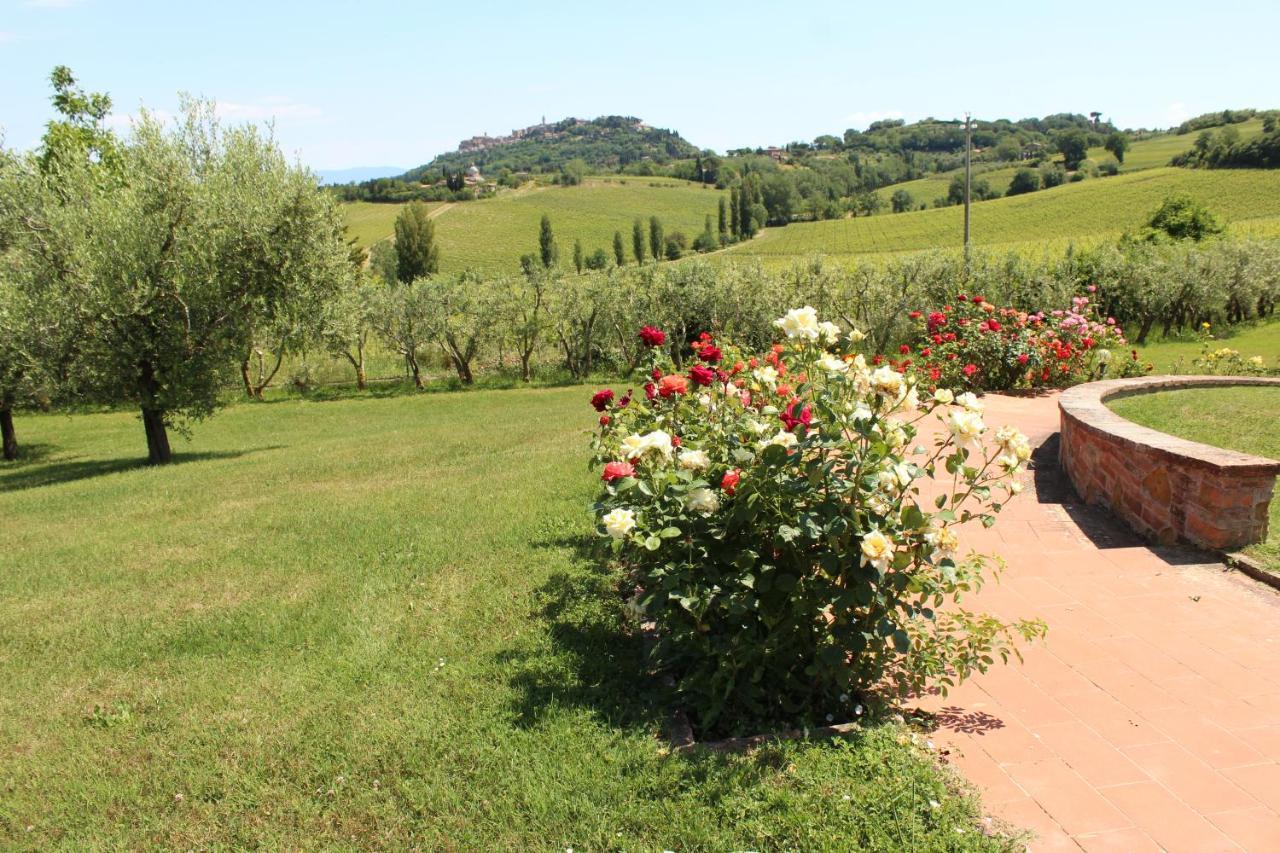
[
  {"x": 608, "y": 143},
  {"x": 356, "y": 174}
]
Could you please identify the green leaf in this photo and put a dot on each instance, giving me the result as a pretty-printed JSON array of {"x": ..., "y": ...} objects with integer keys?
[
  {"x": 653, "y": 543},
  {"x": 670, "y": 532}
]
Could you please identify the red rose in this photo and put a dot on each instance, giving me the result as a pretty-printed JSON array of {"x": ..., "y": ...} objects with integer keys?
[
  {"x": 601, "y": 399},
  {"x": 937, "y": 339},
  {"x": 625, "y": 400},
  {"x": 675, "y": 441},
  {"x": 977, "y": 300},
  {"x": 617, "y": 470},
  {"x": 970, "y": 369},
  {"x": 962, "y": 298},
  {"x": 993, "y": 325},
  {"x": 652, "y": 336},
  {"x": 926, "y": 352},
  {"x": 710, "y": 354},
  {"x": 650, "y": 390},
  {"x": 1023, "y": 358},
  {"x": 604, "y": 420},
  {"x": 904, "y": 349},
  {"x": 701, "y": 375},
  {"x": 673, "y": 384},
  {"x": 730, "y": 481},
  {"x": 784, "y": 390},
  {"x": 914, "y": 315},
  {"x": 738, "y": 367},
  {"x": 791, "y": 418},
  {"x": 936, "y": 319}
]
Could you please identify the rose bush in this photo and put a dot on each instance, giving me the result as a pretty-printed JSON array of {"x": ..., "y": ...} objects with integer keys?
[
  {"x": 975, "y": 344},
  {"x": 788, "y": 533}
]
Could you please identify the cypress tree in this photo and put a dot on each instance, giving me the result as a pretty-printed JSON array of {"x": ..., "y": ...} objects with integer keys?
[
  {"x": 637, "y": 241},
  {"x": 655, "y": 237},
  {"x": 577, "y": 255},
  {"x": 724, "y": 222},
  {"x": 547, "y": 243},
  {"x": 416, "y": 252},
  {"x": 619, "y": 253},
  {"x": 735, "y": 207}
]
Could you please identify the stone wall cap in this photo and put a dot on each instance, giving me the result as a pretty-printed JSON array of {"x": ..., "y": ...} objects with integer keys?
[{"x": 1086, "y": 405}]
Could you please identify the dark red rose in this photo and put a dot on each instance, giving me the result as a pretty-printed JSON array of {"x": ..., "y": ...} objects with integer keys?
[
  {"x": 730, "y": 481},
  {"x": 653, "y": 336},
  {"x": 710, "y": 353},
  {"x": 970, "y": 369},
  {"x": 796, "y": 415},
  {"x": 601, "y": 399},
  {"x": 702, "y": 375}
]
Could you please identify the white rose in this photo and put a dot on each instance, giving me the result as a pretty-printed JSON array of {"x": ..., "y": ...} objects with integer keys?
[
  {"x": 943, "y": 541},
  {"x": 857, "y": 336},
  {"x": 694, "y": 460},
  {"x": 887, "y": 382},
  {"x": 966, "y": 428},
  {"x": 970, "y": 401},
  {"x": 660, "y": 441},
  {"x": 944, "y": 396},
  {"x": 766, "y": 374},
  {"x": 832, "y": 364},
  {"x": 828, "y": 332},
  {"x": 800, "y": 323},
  {"x": 782, "y": 439},
  {"x": 1104, "y": 356},
  {"x": 702, "y": 500},
  {"x": 633, "y": 446},
  {"x": 877, "y": 550},
  {"x": 619, "y": 522}
]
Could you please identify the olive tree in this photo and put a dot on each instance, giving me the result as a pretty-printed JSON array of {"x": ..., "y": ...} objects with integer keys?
[{"x": 190, "y": 239}]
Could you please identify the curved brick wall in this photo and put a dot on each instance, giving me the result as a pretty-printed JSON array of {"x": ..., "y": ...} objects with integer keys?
[{"x": 1168, "y": 489}]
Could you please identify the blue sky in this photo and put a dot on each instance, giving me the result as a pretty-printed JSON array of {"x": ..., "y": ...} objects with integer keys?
[{"x": 377, "y": 83}]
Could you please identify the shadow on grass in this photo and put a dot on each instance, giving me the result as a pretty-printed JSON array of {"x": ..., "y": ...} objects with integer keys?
[
  {"x": 590, "y": 660},
  {"x": 33, "y": 475},
  {"x": 389, "y": 388}
]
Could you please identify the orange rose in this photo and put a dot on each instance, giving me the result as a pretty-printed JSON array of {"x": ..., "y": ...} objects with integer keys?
[{"x": 673, "y": 384}]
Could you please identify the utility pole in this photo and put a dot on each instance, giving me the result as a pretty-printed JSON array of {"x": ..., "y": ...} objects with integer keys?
[{"x": 968, "y": 174}]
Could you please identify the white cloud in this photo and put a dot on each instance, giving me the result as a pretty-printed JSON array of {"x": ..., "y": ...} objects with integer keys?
[
  {"x": 862, "y": 119},
  {"x": 1176, "y": 113},
  {"x": 265, "y": 109}
]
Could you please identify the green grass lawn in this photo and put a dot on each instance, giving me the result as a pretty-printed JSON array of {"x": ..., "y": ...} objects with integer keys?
[
  {"x": 1091, "y": 209},
  {"x": 370, "y": 623},
  {"x": 490, "y": 235},
  {"x": 1243, "y": 419},
  {"x": 1174, "y": 355},
  {"x": 369, "y": 222}
]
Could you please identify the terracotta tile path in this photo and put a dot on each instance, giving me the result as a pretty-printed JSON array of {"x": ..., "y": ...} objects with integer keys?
[{"x": 1150, "y": 717}]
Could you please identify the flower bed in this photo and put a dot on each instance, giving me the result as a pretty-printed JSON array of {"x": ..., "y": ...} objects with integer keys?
[
  {"x": 975, "y": 344},
  {"x": 768, "y": 512}
]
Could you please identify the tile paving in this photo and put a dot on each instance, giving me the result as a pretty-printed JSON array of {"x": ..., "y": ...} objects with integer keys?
[{"x": 1149, "y": 718}]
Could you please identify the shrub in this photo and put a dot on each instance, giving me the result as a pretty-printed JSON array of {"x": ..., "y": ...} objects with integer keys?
[
  {"x": 1024, "y": 181},
  {"x": 769, "y": 513},
  {"x": 974, "y": 344}
]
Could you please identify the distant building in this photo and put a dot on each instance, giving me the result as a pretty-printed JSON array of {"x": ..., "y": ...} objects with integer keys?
[
  {"x": 776, "y": 153},
  {"x": 473, "y": 175}
]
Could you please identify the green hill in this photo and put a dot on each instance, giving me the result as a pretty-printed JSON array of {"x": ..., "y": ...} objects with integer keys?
[
  {"x": 490, "y": 235},
  {"x": 1249, "y": 199},
  {"x": 605, "y": 144},
  {"x": 1150, "y": 153}
]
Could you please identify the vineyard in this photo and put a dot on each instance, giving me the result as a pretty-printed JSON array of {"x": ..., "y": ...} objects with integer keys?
[
  {"x": 490, "y": 235},
  {"x": 1248, "y": 199},
  {"x": 1152, "y": 153}
]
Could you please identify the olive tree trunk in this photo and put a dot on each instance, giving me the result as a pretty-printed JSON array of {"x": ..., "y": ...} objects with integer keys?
[
  {"x": 158, "y": 452},
  {"x": 10, "y": 438}
]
